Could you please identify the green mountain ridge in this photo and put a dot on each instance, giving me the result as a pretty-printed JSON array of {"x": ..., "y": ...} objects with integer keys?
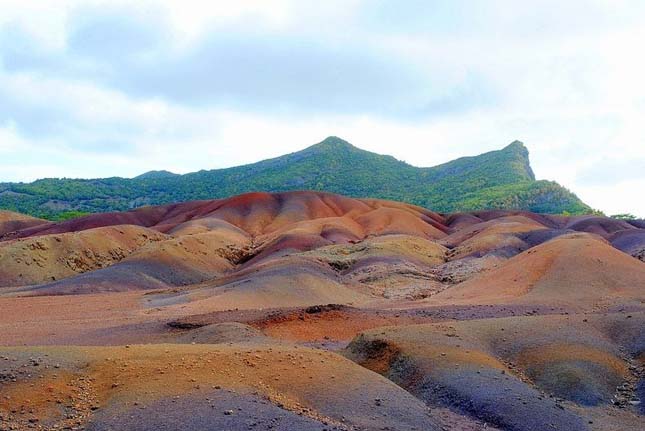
[{"x": 501, "y": 179}]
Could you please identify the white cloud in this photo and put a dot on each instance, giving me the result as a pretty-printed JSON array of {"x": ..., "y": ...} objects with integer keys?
[
  {"x": 567, "y": 79},
  {"x": 44, "y": 21},
  {"x": 10, "y": 140}
]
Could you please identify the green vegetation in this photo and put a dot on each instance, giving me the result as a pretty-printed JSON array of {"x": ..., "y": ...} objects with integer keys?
[
  {"x": 68, "y": 215},
  {"x": 498, "y": 179},
  {"x": 626, "y": 216}
]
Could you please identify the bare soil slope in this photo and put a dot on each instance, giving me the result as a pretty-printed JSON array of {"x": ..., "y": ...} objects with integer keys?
[
  {"x": 314, "y": 311},
  {"x": 577, "y": 269}
]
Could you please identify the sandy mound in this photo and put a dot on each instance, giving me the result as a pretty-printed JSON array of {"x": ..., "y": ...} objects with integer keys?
[
  {"x": 172, "y": 262},
  {"x": 418, "y": 250},
  {"x": 146, "y": 217},
  {"x": 630, "y": 241},
  {"x": 460, "y": 270},
  {"x": 230, "y": 332},
  {"x": 391, "y": 265},
  {"x": 575, "y": 269},
  {"x": 324, "y": 214},
  {"x": 502, "y": 319},
  {"x": 461, "y": 220},
  {"x": 216, "y": 237},
  {"x": 290, "y": 281},
  {"x": 501, "y": 225},
  {"x": 11, "y": 222},
  {"x": 51, "y": 257},
  {"x": 499, "y": 237},
  {"x": 548, "y": 220},
  {"x": 487, "y": 368},
  {"x": 602, "y": 226},
  {"x": 213, "y": 387},
  {"x": 265, "y": 213}
]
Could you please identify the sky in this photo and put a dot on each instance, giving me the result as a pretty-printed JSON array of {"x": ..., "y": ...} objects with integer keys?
[{"x": 93, "y": 89}]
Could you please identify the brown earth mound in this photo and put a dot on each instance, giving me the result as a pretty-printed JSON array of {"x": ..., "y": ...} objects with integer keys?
[
  {"x": 133, "y": 387},
  {"x": 491, "y": 320},
  {"x": 52, "y": 257},
  {"x": 577, "y": 269},
  {"x": 630, "y": 241},
  {"x": 11, "y": 222},
  {"x": 284, "y": 282},
  {"x": 263, "y": 213},
  {"x": 602, "y": 226},
  {"x": 587, "y": 360}
]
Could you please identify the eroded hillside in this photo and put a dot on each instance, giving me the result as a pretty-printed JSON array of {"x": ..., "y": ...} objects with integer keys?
[{"x": 315, "y": 311}]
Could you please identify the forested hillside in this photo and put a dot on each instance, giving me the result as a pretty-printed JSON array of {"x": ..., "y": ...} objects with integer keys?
[{"x": 497, "y": 179}]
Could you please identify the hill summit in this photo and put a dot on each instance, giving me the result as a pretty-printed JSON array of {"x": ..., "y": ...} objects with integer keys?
[
  {"x": 156, "y": 174},
  {"x": 501, "y": 179}
]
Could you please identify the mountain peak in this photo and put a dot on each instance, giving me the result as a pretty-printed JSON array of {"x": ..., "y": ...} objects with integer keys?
[
  {"x": 518, "y": 154},
  {"x": 155, "y": 175},
  {"x": 334, "y": 143},
  {"x": 518, "y": 148},
  {"x": 334, "y": 140},
  {"x": 516, "y": 143}
]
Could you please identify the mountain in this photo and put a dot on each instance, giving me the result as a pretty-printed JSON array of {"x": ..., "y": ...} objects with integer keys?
[
  {"x": 500, "y": 179},
  {"x": 155, "y": 175}
]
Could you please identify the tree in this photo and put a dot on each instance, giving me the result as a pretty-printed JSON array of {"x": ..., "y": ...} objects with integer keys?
[{"x": 624, "y": 216}]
